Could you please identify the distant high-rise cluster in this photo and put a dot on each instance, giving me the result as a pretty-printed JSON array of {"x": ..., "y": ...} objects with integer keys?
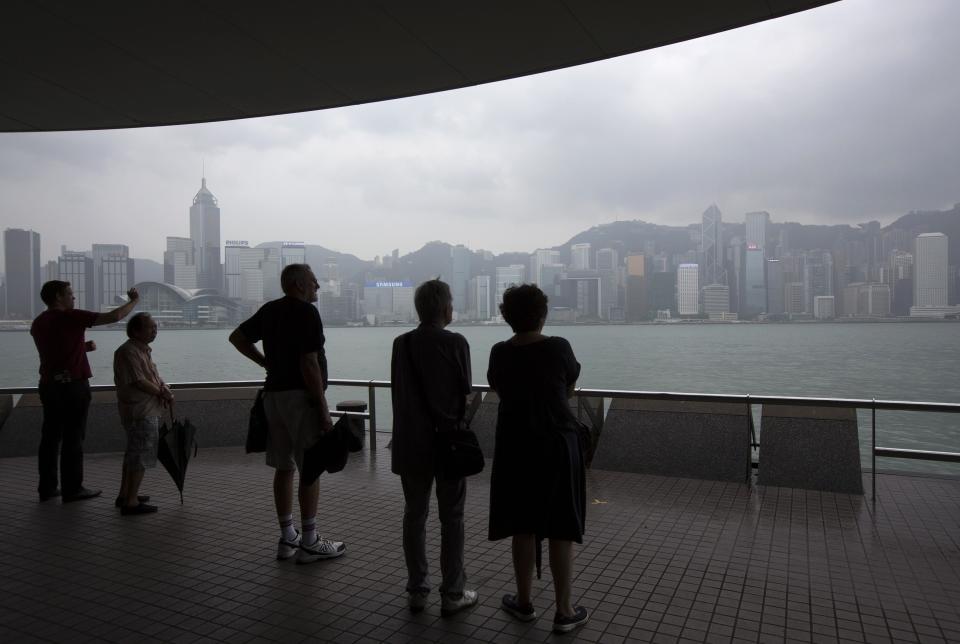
[{"x": 713, "y": 269}]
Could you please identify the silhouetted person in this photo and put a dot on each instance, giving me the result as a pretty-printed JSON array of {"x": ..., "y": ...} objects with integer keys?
[
  {"x": 59, "y": 333},
  {"x": 430, "y": 373},
  {"x": 142, "y": 397},
  {"x": 294, "y": 402},
  {"x": 537, "y": 487}
]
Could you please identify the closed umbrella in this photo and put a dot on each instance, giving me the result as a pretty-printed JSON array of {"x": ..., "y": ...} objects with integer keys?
[{"x": 173, "y": 451}]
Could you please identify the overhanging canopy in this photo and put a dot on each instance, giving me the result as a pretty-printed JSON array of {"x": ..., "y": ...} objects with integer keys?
[{"x": 81, "y": 64}]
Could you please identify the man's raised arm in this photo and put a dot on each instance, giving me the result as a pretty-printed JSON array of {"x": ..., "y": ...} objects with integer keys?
[{"x": 120, "y": 312}]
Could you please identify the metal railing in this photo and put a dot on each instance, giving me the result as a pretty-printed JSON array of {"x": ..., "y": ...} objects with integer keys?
[{"x": 871, "y": 404}]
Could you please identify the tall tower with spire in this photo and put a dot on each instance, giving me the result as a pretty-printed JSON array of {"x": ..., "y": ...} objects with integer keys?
[
  {"x": 711, "y": 246},
  {"x": 205, "y": 234}
]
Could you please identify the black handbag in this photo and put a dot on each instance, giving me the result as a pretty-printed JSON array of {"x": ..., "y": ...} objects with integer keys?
[
  {"x": 257, "y": 427},
  {"x": 458, "y": 454},
  {"x": 585, "y": 438},
  {"x": 457, "y": 450}
]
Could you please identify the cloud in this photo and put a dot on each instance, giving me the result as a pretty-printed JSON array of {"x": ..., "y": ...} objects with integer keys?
[{"x": 840, "y": 114}]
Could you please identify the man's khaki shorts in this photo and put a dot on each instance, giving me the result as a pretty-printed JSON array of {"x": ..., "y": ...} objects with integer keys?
[{"x": 294, "y": 425}]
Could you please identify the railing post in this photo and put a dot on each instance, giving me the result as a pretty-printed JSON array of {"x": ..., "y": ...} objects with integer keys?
[
  {"x": 753, "y": 436},
  {"x": 873, "y": 448},
  {"x": 372, "y": 399}
]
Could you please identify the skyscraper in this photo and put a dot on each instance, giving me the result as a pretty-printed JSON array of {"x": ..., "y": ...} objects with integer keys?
[
  {"x": 930, "y": 270},
  {"x": 756, "y": 225},
  {"x": 179, "y": 263},
  {"x": 775, "y": 305},
  {"x": 716, "y": 300},
  {"x": 292, "y": 253},
  {"x": 793, "y": 302},
  {"x": 21, "y": 254},
  {"x": 243, "y": 271},
  {"x": 50, "y": 271},
  {"x": 507, "y": 276},
  {"x": 608, "y": 264},
  {"x": 735, "y": 272},
  {"x": 580, "y": 291},
  {"x": 754, "y": 283},
  {"x": 112, "y": 275},
  {"x": 205, "y": 233},
  {"x": 459, "y": 275},
  {"x": 824, "y": 307},
  {"x": 688, "y": 289},
  {"x": 711, "y": 247},
  {"x": 662, "y": 291},
  {"x": 817, "y": 277},
  {"x": 580, "y": 257},
  {"x": 77, "y": 268},
  {"x": 271, "y": 265},
  {"x": 635, "y": 296},
  {"x": 540, "y": 257},
  {"x": 479, "y": 295},
  {"x": 550, "y": 276}
]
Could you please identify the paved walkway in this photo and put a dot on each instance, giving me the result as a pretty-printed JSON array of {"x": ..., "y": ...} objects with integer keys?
[{"x": 665, "y": 560}]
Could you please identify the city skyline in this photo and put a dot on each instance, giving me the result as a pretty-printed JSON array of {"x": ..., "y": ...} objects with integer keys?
[
  {"x": 759, "y": 269},
  {"x": 802, "y": 116},
  {"x": 729, "y": 220}
]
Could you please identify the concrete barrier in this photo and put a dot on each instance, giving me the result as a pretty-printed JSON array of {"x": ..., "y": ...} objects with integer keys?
[
  {"x": 220, "y": 415},
  {"x": 484, "y": 423},
  {"x": 813, "y": 448},
  {"x": 687, "y": 439},
  {"x": 6, "y": 406}
]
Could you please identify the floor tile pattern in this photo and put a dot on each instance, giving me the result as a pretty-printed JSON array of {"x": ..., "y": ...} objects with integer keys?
[{"x": 664, "y": 560}]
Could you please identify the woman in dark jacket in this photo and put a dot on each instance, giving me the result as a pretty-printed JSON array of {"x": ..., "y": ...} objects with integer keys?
[{"x": 537, "y": 484}]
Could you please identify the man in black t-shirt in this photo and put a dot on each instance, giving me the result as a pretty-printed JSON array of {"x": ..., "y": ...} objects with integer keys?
[{"x": 294, "y": 402}]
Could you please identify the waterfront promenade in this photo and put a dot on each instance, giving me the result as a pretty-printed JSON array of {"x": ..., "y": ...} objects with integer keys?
[{"x": 664, "y": 560}]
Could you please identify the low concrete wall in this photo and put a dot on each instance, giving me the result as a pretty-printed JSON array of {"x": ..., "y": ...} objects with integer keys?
[
  {"x": 814, "y": 448},
  {"x": 484, "y": 422},
  {"x": 687, "y": 439},
  {"x": 220, "y": 415},
  {"x": 6, "y": 406}
]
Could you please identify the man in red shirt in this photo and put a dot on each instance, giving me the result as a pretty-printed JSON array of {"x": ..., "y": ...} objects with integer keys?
[{"x": 59, "y": 333}]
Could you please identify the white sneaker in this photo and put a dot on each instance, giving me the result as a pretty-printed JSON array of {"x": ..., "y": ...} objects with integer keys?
[
  {"x": 320, "y": 549},
  {"x": 286, "y": 549},
  {"x": 450, "y": 605}
]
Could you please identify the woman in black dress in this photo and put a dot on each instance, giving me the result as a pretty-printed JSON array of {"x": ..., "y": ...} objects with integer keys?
[{"x": 537, "y": 484}]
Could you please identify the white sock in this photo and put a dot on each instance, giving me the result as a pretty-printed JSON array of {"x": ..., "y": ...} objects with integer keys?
[
  {"x": 309, "y": 534},
  {"x": 287, "y": 531}
]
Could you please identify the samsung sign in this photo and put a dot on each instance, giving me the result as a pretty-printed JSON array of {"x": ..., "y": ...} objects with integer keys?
[{"x": 401, "y": 284}]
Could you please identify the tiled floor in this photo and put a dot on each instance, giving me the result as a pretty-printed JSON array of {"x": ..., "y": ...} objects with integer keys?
[{"x": 664, "y": 560}]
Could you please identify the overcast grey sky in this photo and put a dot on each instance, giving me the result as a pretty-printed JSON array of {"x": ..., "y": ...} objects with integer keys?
[{"x": 845, "y": 113}]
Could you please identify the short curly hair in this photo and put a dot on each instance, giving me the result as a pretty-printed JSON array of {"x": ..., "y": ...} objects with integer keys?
[{"x": 524, "y": 307}]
